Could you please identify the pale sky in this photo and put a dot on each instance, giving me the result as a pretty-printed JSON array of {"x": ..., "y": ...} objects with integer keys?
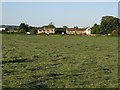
[{"x": 71, "y": 14}]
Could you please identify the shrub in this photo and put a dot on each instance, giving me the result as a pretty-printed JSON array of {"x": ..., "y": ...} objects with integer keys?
[{"x": 115, "y": 32}]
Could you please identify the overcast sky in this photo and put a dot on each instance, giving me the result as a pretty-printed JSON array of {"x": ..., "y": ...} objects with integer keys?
[{"x": 71, "y": 14}]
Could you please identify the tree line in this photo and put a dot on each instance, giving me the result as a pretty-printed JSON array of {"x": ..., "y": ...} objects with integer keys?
[
  {"x": 23, "y": 28},
  {"x": 108, "y": 25}
]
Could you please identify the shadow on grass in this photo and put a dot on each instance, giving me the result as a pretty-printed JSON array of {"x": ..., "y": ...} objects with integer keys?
[
  {"x": 17, "y": 61},
  {"x": 36, "y": 85}
]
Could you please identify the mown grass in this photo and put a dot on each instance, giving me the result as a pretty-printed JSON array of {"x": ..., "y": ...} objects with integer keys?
[{"x": 34, "y": 61}]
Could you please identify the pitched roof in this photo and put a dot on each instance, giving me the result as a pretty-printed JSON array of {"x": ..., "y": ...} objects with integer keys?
[
  {"x": 49, "y": 26},
  {"x": 76, "y": 29}
]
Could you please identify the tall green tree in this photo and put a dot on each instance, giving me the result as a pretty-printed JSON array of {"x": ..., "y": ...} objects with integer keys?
[
  {"x": 109, "y": 23},
  {"x": 95, "y": 29},
  {"x": 23, "y": 28}
]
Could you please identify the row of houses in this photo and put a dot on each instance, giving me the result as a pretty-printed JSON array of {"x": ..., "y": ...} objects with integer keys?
[
  {"x": 8, "y": 28},
  {"x": 51, "y": 29},
  {"x": 75, "y": 30}
]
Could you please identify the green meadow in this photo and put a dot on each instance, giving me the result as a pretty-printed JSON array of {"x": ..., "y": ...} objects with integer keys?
[{"x": 39, "y": 61}]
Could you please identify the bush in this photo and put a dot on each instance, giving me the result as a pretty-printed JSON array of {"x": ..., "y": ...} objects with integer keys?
[
  {"x": 22, "y": 31},
  {"x": 115, "y": 32}
]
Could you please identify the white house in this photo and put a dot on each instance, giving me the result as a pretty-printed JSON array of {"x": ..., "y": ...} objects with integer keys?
[
  {"x": 77, "y": 30},
  {"x": 88, "y": 31},
  {"x": 46, "y": 30},
  {"x": 2, "y": 29}
]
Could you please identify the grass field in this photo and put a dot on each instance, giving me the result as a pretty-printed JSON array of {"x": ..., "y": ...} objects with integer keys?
[{"x": 34, "y": 61}]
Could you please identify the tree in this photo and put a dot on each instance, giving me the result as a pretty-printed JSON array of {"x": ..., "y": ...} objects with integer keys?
[
  {"x": 51, "y": 25},
  {"x": 109, "y": 23},
  {"x": 10, "y": 27},
  {"x": 32, "y": 30},
  {"x": 23, "y": 28},
  {"x": 26, "y": 29},
  {"x": 6, "y": 29},
  {"x": 95, "y": 29},
  {"x": 65, "y": 27}
]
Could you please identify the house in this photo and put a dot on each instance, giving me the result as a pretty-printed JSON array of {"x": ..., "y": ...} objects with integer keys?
[
  {"x": 77, "y": 30},
  {"x": 11, "y": 31},
  {"x": 2, "y": 29},
  {"x": 8, "y": 29},
  {"x": 50, "y": 29},
  {"x": 40, "y": 30},
  {"x": 88, "y": 30}
]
